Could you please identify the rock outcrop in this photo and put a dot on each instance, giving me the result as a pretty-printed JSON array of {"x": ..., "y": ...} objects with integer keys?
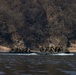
[{"x": 33, "y": 23}]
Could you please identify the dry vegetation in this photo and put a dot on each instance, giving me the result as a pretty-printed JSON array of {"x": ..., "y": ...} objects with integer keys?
[{"x": 31, "y": 23}]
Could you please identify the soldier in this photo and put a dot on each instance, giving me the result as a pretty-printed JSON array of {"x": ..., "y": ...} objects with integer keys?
[
  {"x": 23, "y": 50},
  {"x": 15, "y": 50},
  {"x": 56, "y": 48},
  {"x": 28, "y": 50},
  {"x": 19, "y": 50},
  {"x": 11, "y": 51},
  {"x": 61, "y": 49},
  {"x": 67, "y": 51},
  {"x": 41, "y": 49},
  {"x": 51, "y": 49},
  {"x": 47, "y": 49}
]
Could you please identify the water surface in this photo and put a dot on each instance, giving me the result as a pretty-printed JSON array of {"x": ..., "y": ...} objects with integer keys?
[{"x": 37, "y": 65}]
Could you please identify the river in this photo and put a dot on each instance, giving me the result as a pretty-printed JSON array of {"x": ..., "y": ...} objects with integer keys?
[{"x": 37, "y": 64}]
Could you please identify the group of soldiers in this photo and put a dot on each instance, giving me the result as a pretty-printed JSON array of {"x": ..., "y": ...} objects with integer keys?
[
  {"x": 42, "y": 49},
  {"x": 17, "y": 50},
  {"x": 51, "y": 49}
]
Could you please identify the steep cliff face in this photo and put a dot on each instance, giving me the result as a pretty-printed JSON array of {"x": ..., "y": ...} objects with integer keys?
[{"x": 31, "y": 23}]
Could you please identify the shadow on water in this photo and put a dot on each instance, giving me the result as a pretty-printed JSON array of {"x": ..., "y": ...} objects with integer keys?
[{"x": 37, "y": 65}]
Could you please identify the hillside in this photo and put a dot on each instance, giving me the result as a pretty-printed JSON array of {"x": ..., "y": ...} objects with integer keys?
[{"x": 34, "y": 23}]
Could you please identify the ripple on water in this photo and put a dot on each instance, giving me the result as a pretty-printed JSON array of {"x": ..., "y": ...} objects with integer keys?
[
  {"x": 74, "y": 68},
  {"x": 45, "y": 71},
  {"x": 26, "y": 74},
  {"x": 37, "y": 65},
  {"x": 70, "y": 72},
  {"x": 2, "y": 73},
  {"x": 71, "y": 65}
]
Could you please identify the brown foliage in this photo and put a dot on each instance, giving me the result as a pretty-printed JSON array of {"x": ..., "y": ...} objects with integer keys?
[{"x": 37, "y": 22}]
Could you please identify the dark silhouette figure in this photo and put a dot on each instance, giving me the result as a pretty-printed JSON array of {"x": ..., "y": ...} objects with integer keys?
[
  {"x": 47, "y": 49},
  {"x": 67, "y": 51},
  {"x": 27, "y": 50},
  {"x": 61, "y": 49},
  {"x": 51, "y": 49},
  {"x": 41, "y": 49},
  {"x": 56, "y": 49}
]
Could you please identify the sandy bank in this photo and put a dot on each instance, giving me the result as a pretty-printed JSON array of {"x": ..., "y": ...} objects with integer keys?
[
  {"x": 4, "y": 49},
  {"x": 72, "y": 49}
]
